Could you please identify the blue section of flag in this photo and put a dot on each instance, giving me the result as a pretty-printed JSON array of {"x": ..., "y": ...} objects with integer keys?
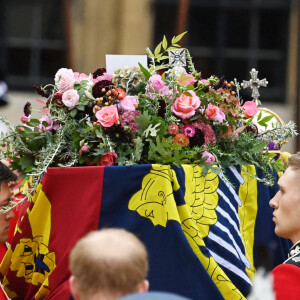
[{"x": 174, "y": 267}]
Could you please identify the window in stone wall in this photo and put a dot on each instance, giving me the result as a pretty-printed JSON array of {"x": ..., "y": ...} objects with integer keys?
[
  {"x": 230, "y": 37},
  {"x": 35, "y": 46}
]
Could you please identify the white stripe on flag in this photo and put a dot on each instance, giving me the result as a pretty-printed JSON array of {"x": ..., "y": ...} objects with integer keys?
[{"x": 226, "y": 264}]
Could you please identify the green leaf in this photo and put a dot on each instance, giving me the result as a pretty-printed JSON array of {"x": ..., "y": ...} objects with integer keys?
[
  {"x": 29, "y": 169},
  {"x": 172, "y": 48},
  {"x": 49, "y": 137},
  {"x": 26, "y": 161},
  {"x": 33, "y": 122},
  {"x": 73, "y": 112},
  {"x": 157, "y": 50},
  {"x": 265, "y": 120},
  {"x": 77, "y": 86},
  {"x": 145, "y": 71},
  {"x": 164, "y": 43},
  {"x": 80, "y": 107},
  {"x": 29, "y": 135},
  {"x": 81, "y": 92},
  {"x": 259, "y": 116},
  {"x": 249, "y": 121},
  {"x": 160, "y": 67},
  {"x": 177, "y": 38},
  {"x": 143, "y": 120},
  {"x": 82, "y": 159},
  {"x": 37, "y": 143},
  {"x": 45, "y": 123}
]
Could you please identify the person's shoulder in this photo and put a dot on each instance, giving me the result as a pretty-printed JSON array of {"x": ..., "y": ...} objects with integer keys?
[
  {"x": 294, "y": 260},
  {"x": 286, "y": 268},
  {"x": 286, "y": 278}
]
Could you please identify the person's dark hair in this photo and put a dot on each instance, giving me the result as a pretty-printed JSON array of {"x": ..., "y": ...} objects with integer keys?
[{"x": 6, "y": 174}]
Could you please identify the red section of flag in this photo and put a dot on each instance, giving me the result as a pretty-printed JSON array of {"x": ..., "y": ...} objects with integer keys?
[{"x": 75, "y": 197}]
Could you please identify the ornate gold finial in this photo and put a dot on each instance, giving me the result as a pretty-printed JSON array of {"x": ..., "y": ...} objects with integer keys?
[{"x": 254, "y": 83}]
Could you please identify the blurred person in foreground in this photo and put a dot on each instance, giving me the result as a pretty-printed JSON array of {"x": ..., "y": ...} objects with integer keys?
[
  {"x": 108, "y": 264},
  {"x": 7, "y": 180},
  {"x": 286, "y": 204}
]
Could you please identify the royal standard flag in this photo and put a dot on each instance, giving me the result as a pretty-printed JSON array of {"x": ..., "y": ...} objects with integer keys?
[{"x": 200, "y": 231}]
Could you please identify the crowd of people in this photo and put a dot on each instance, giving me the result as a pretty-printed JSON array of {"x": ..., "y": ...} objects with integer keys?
[{"x": 112, "y": 263}]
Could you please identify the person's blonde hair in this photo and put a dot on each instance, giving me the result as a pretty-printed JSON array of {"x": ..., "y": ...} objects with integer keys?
[
  {"x": 109, "y": 261},
  {"x": 294, "y": 161}
]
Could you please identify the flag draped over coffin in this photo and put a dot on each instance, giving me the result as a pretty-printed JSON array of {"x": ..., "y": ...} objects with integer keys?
[{"x": 200, "y": 231}]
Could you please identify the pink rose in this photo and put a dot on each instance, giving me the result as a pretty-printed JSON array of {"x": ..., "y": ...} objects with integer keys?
[
  {"x": 185, "y": 106},
  {"x": 157, "y": 85},
  {"x": 46, "y": 119},
  {"x": 64, "y": 79},
  {"x": 209, "y": 157},
  {"x": 108, "y": 159},
  {"x": 250, "y": 109},
  {"x": 187, "y": 79},
  {"x": 107, "y": 116},
  {"x": 129, "y": 103},
  {"x": 70, "y": 98},
  {"x": 212, "y": 111},
  {"x": 215, "y": 113}
]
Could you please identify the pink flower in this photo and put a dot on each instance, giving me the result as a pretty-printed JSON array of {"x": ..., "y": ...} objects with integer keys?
[
  {"x": 55, "y": 125},
  {"x": 129, "y": 103},
  {"x": 189, "y": 130},
  {"x": 46, "y": 119},
  {"x": 85, "y": 148},
  {"x": 220, "y": 117},
  {"x": 105, "y": 76},
  {"x": 209, "y": 134},
  {"x": 187, "y": 79},
  {"x": 108, "y": 159},
  {"x": 64, "y": 79},
  {"x": 128, "y": 119},
  {"x": 79, "y": 76},
  {"x": 185, "y": 105},
  {"x": 157, "y": 85},
  {"x": 108, "y": 116},
  {"x": 25, "y": 119},
  {"x": 209, "y": 157},
  {"x": 70, "y": 98},
  {"x": 250, "y": 109},
  {"x": 173, "y": 129},
  {"x": 211, "y": 111},
  {"x": 204, "y": 81}
]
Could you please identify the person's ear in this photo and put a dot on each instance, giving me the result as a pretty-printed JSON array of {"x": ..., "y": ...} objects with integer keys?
[
  {"x": 143, "y": 286},
  {"x": 74, "y": 288}
]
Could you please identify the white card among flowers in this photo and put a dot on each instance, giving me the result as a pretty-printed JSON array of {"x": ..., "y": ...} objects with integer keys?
[{"x": 115, "y": 61}]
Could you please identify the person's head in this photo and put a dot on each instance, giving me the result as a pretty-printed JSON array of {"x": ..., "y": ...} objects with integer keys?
[
  {"x": 286, "y": 202},
  {"x": 108, "y": 264},
  {"x": 6, "y": 177}
]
